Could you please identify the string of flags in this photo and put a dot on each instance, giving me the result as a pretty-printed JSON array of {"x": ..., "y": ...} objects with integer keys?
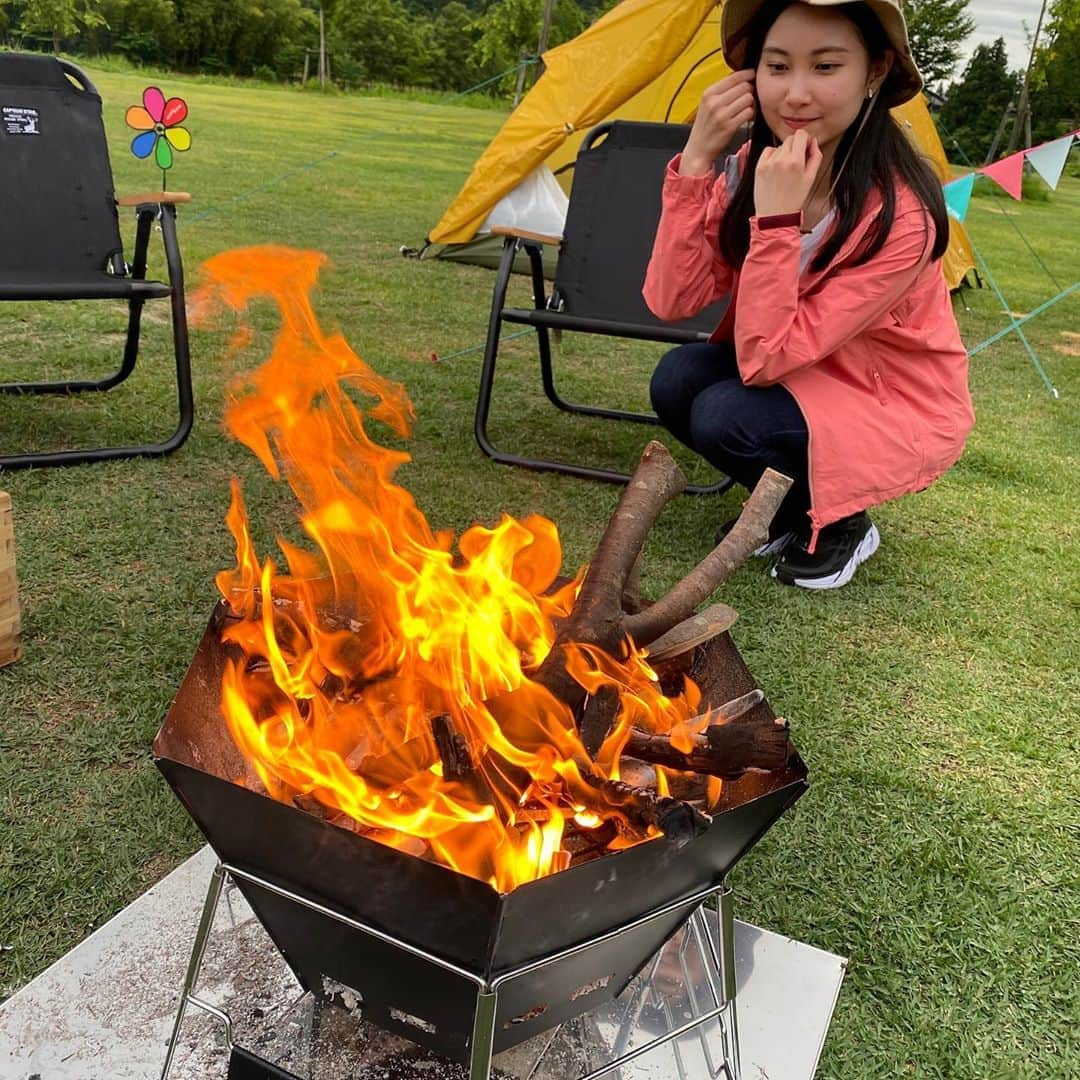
[{"x": 1048, "y": 160}]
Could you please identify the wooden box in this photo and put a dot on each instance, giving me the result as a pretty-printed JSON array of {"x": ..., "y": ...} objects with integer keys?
[{"x": 10, "y": 650}]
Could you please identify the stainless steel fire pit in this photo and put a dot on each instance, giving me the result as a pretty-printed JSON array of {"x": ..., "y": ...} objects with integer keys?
[{"x": 437, "y": 956}]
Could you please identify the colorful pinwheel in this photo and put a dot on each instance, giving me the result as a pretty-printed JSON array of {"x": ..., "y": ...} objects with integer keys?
[{"x": 156, "y": 119}]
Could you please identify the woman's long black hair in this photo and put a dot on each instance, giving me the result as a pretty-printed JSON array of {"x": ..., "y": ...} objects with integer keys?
[{"x": 880, "y": 156}]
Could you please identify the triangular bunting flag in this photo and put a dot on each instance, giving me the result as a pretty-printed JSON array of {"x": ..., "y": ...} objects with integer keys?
[
  {"x": 1049, "y": 159},
  {"x": 1008, "y": 173},
  {"x": 958, "y": 196}
]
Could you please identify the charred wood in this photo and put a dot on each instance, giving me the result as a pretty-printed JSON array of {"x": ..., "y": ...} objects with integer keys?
[
  {"x": 457, "y": 760},
  {"x": 585, "y": 844},
  {"x": 597, "y": 617},
  {"x": 678, "y": 821},
  {"x": 310, "y": 805},
  {"x": 725, "y": 749},
  {"x": 737, "y": 707},
  {"x": 598, "y": 718},
  {"x": 637, "y": 773}
]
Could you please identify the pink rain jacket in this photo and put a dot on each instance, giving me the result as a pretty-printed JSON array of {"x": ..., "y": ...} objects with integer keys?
[{"x": 871, "y": 353}]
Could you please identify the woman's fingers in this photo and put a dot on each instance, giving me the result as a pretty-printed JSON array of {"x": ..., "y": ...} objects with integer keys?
[
  {"x": 729, "y": 104},
  {"x": 736, "y": 78},
  {"x": 728, "y": 95},
  {"x": 785, "y": 174},
  {"x": 796, "y": 149},
  {"x": 725, "y": 107}
]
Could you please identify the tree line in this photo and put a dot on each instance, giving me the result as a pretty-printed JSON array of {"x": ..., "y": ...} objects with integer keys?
[
  {"x": 455, "y": 45},
  {"x": 981, "y": 107},
  {"x": 440, "y": 44}
]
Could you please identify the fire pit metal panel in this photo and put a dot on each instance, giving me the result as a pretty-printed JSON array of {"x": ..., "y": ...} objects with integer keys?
[
  {"x": 434, "y": 1007},
  {"x": 428, "y": 905}
]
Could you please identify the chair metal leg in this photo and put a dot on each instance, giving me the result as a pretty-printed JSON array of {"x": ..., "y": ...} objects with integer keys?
[
  {"x": 181, "y": 349},
  {"x": 79, "y": 386},
  {"x": 181, "y": 341},
  {"x": 547, "y": 375},
  {"x": 487, "y": 381},
  {"x": 491, "y": 350},
  {"x": 131, "y": 343}
]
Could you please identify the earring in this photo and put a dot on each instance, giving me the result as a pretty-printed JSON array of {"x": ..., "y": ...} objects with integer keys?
[{"x": 869, "y": 93}]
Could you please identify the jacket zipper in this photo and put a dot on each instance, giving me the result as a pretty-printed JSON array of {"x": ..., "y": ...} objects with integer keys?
[{"x": 879, "y": 385}]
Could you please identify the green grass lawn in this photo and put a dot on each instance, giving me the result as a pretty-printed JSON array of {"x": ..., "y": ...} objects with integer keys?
[{"x": 935, "y": 699}]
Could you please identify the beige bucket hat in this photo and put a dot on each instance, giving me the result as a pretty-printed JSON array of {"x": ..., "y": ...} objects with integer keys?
[{"x": 904, "y": 80}]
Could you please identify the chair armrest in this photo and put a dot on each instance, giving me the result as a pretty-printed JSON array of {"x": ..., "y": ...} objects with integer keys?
[
  {"x": 524, "y": 234},
  {"x": 164, "y": 198}
]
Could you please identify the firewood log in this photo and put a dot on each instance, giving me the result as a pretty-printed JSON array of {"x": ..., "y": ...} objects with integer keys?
[
  {"x": 599, "y": 617},
  {"x": 678, "y": 821},
  {"x": 726, "y": 750}
]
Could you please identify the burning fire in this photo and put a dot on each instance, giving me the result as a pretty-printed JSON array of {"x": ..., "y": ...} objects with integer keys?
[{"x": 382, "y": 625}]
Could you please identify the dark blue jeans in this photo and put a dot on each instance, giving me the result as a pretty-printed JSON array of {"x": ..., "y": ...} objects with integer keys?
[{"x": 742, "y": 430}]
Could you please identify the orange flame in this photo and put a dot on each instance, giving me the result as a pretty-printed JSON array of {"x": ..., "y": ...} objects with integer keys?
[{"x": 349, "y": 655}]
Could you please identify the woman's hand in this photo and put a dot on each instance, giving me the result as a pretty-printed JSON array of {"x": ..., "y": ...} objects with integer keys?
[
  {"x": 786, "y": 175},
  {"x": 725, "y": 107}
]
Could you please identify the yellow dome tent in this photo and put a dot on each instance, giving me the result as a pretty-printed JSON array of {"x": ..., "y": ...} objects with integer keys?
[{"x": 644, "y": 60}]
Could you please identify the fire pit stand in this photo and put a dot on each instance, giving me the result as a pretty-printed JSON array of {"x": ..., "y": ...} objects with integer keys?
[{"x": 710, "y": 947}]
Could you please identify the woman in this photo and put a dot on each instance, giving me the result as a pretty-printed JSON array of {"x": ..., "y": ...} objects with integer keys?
[{"x": 839, "y": 361}]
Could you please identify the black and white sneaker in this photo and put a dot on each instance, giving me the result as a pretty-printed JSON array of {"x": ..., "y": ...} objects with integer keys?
[
  {"x": 841, "y": 548},
  {"x": 773, "y": 546}
]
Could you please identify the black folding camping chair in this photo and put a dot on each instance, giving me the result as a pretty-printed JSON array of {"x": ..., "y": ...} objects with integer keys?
[
  {"x": 610, "y": 224},
  {"x": 60, "y": 233}
]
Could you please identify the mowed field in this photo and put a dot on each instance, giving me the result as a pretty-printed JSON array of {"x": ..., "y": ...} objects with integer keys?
[{"x": 935, "y": 699}]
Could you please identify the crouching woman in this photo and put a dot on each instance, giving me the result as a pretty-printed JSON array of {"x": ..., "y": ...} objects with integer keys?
[{"x": 839, "y": 361}]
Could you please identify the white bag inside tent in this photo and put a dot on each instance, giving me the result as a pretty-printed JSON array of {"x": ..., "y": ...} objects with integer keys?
[{"x": 538, "y": 205}]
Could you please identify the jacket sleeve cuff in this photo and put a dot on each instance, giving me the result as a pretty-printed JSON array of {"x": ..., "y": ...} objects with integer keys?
[
  {"x": 779, "y": 221},
  {"x": 694, "y": 187}
]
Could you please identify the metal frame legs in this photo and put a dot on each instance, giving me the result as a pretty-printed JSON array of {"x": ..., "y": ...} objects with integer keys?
[
  {"x": 716, "y": 948},
  {"x": 487, "y": 381},
  {"x": 187, "y": 995},
  {"x": 181, "y": 348}
]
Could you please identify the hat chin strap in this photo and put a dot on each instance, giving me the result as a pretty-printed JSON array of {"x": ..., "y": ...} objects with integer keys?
[{"x": 872, "y": 100}]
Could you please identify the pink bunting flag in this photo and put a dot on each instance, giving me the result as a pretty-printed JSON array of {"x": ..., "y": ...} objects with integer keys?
[{"x": 1008, "y": 173}]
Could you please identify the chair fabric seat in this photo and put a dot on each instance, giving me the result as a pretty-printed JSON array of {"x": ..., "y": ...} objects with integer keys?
[
  {"x": 562, "y": 320},
  {"x": 104, "y": 287}
]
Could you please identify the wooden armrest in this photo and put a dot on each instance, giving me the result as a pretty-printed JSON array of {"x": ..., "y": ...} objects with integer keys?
[
  {"x": 524, "y": 234},
  {"x": 170, "y": 198}
]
